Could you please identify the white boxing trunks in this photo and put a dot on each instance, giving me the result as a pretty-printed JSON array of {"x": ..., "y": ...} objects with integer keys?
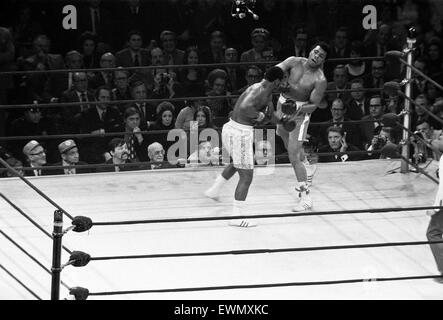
[
  {"x": 301, "y": 120},
  {"x": 238, "y": 141}
]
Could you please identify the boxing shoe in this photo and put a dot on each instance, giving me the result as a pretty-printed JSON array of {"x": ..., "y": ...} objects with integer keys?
[
  {"x": 439, "y": 280},
  {"x": 310, "y": 171},
  {"x": 243, "y": 223},
  {"x": 305, "y": 204}
]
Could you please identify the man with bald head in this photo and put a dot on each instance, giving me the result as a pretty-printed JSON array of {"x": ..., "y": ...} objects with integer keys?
[
  {"x": 78, "y": 93},
  {"x": 104, "y": 78}
]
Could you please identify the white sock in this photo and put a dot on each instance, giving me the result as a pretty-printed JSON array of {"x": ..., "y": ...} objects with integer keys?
[
  {"x": 238, "y": 208},
  {"x": 218, "y": 184}
]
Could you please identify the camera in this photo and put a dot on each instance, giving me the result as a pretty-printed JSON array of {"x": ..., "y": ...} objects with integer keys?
[
  {"x": 380, "y": 142},
  {"x": 417, "y": 134},
  {"x": 164, "y": 78}
]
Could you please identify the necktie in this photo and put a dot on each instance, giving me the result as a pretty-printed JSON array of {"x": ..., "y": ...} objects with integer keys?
[
  {"x": 136, "y": 61},
  {"x": 102, "y": 116},
  {"x": 108, "y": 79},
  {"x": 84, "y": 98}
]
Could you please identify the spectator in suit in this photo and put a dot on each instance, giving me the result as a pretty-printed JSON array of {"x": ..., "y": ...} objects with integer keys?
[
  {"x": 97, "y": 19},
  {"x": 118, "y": 150},
  {"x": 7, "y": 56},
  {"x": 12, "y": 161},
  {"x": 215, "y": 52},
  {"x": 171, "y": 54},
  {"x": 420, "y": 115},
  {"x": 35, "y": 156},
  {"x": 35, "y": 84},
  {"x": 377, "y": 77},
  {"x": 253, "y": 75},
  {"x": 338, "y": 112},
  {"x": 156, "y": 155},
  {"x": 339, "y": 50},
  {"x": 185, "y": 116},
  {"x": 298, "y": 44},
  {"x": 192, "y": 79},
  {"x": 135, "y": 15},
  {"x": 434, "y": 55},
  {"x": 358, "y": 105},
  {"x": 88, "y": 45},
  {"x": 70, "y": 115},
  {"x": 104, "y": 78},
  {"x": 236, "y": 75},
  {"x": 337, "y": 143},
  {"x": 356, "y": 68},
  {"x": 418, "y": 82},
  {"x": 371, "y": 129},
  {"x": 340, "y": 82},
  {"x": 99, "y": 119},
  {"x": 134, "y": 55},
  {"x": 134, "y": 139},
  {"x": 221, "y": 107},
  {"x": 70, "y": 157},
  {"x": 146, "y": 111},
  {"x": 121, "y": 90},
  {"x": 260, "y": 41},
  {"x": 32, "y": 123}
]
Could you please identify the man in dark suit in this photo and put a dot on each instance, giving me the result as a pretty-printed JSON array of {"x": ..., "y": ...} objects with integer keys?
[
  {"x": 120, "y": 154},
  {"x": 377, "y": 77},
  {"x": 136, "y": 15},
  {"x": 99, "y": 119},
  {"x": 70, "y": 157},
  {"x": 298, "y": 44},
  {"x": 104, "y": 78},
  {"x": 70, "y": 116},
  {"x": 172, "y": 55},
  {"x": 95, "y": 18},
  {"x": 236, "y": 75},
  {"x": 337, "y": 143},
  {"x": 358, "y": 105},
  {"x": 215, "y": 52},
  {"x": 369, "y": 129},
  {"x": 35, "y": 156},
  {"x": 352, "y": 131},
  {"x": 121, "y": 90},
  {"x": 146, "y": 111},
  {"x": 339, "y": 49}
]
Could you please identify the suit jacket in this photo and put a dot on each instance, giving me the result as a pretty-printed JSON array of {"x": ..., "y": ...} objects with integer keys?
[
  {"x": 345, "y": 96},
  {"x": 62, "y": 171},
  {"x": 124, "y": 58},
  {"x": 70, "y": 116},
  {"x": 148, "y": 112},
  {"x": 30, "y": 173},
  {"x": 369, "y": 82},
  {"x": 353, "y": 133},
  {"x": 122, "y": 168},
  {"x": 98, "y": 80},
  {"x": 177, "y": 57},
  {"x": 104, "y": 27},
  {"x": 338, "y": 158},
  {"x": 354, "y": 112}
]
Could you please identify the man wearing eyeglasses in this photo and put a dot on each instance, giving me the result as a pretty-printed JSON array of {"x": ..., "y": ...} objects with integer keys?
[
  {"x": 36, "y": 157},
  {"x": 371, "y": 129}
]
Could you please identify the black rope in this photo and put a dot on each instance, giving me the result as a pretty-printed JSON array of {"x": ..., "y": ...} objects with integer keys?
[
  {"x": 176, "y": 66},
  {"x": 30, "y": 219},
  {"x": 20, "y": 282},
  {"x": 41, "y": 193},
  {"x": 29, "y": 255},
  {"x": 260, "y": 251},
  {"x": 265, "y": 285},
  {"x": 280, "y": 215}
]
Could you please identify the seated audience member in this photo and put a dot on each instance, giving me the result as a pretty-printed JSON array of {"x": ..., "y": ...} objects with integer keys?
[
  {"x": 206, "y": 155},
  {"x": 377, "y": 77},
  {"x": 32, "y": 123},
  {"x": 356, "y": 68},
  {"x": 104, "y": 78},
  {"x": 215, "y": 52},
  {"x": 119, "y": 152},
  {"x": 121, "y": 90},
  {"x": 429, "y": 134},
  {"x": 338, "y": 112},
  {"x": 165, "y": 121},
  {"x": 186, "y": 116},
  {"x": 165, "y": 87},
  {"x": 387, "y": 136},
  {"x": 13, "y": 162},
  {"x": 146, "y": 111},
  {"x": 88, "y": 45},
  {"x": 253, "y": 75},
  {"x": 156, "y": 155},
  {"x": 371, "y": 129},
  {"x": 134, "y": 139},
  {"x": 100, "y": 119},
  {"x": 339, "y": 82},
  {"x": 70, "y": 157},
  {"x": 259, "y": 41},
  {"x": 236, "y": 75},
  {"x": 220, "y": 107},
  {"x": 171, "y": 54},
  {"x": 192, "y": 80},
  {"x": 337, "y": 143},
  {"x": 203, "y": 118},
  {"x": 35, "y": 157},
  {"x": 79, "y": 92},
  {"x": 264, "y": 154},
  {"x": 420, "y": 114},
  {"x": 358, "y": 105}
]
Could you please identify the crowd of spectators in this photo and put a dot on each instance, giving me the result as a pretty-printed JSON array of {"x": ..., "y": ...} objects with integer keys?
[{"x": 167, "y": 33}]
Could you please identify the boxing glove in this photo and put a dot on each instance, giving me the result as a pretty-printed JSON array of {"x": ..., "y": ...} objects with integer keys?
[
  {"x": 289, "y": 125},
  {"x": 289, "y": 107}
]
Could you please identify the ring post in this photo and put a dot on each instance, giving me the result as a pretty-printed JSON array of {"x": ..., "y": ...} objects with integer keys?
[
  {"x": 407, "y": 118},
  {"x": 56, "y": 254}
]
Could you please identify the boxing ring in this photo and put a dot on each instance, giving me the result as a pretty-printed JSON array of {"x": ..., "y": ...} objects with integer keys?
[{"x": 174, "y": 193}]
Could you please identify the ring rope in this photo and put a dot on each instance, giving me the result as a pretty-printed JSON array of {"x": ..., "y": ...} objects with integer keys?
[
  {"x": 418, "y": 71},
  {"x": 29, "y": 255},
  {"x": 260, "y": 251},
  {"x": 30, "y": 219},
  {"x": 177, "y": 66},
  {"x": 158, "y": 100},
  {"x": 263, "y": 216},
  {"x": 20, "y": 282},
  {"x": 266, "y": 285}
]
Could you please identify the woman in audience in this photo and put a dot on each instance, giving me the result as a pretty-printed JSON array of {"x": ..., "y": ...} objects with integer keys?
[{"x": 192, "y": 79}]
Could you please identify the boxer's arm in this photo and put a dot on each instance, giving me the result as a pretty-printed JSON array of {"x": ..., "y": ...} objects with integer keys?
[
  {"x": 287, "y": 64},
  {"x": 317, "y": 94}
]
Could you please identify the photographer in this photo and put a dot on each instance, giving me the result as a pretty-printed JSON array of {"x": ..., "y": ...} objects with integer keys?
[{"x": 425, "y": 130}]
